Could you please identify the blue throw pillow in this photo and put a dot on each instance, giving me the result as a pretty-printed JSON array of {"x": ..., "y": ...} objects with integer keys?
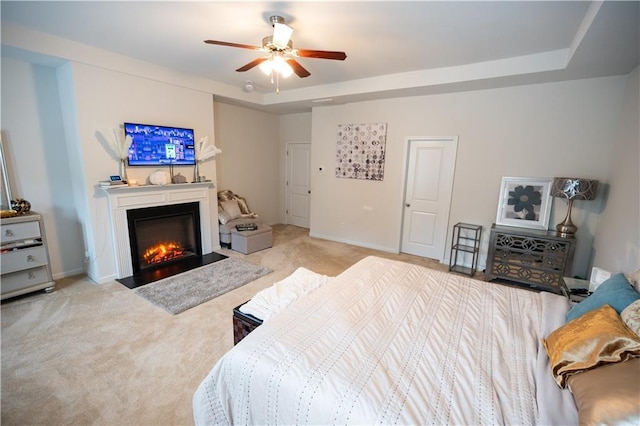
[{"x": 616, "y": 292}]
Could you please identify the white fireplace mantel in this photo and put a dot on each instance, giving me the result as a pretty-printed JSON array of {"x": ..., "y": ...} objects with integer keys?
[{"x": 123, "y": 198}]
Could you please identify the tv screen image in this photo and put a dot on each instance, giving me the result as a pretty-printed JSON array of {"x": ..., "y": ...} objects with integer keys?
[{"x": 153, "y": 145}]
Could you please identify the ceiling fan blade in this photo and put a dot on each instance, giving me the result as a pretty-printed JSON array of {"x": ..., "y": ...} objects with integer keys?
[
  {"x": 252, "y": 64},
  {"x": 226, "y": 43},
  {"x": 321, "y": 54},
  {"x": 297, "y": 68}
]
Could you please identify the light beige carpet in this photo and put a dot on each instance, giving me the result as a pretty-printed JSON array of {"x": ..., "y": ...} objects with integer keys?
[{"x": 98, "y": 354}]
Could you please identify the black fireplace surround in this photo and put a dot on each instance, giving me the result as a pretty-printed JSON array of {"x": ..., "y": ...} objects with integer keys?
[
  {"x": 161, "y": 226},
  {"x": 165, "y": 240}
]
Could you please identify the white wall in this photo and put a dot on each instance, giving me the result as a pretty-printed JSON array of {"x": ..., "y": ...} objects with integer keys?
[
  {"x": 95, "y": 101},
  {"x": 248, "y": 165},
  {"x": 617, "y": 243},
  {"x": 545, "y": 130},
  {"x": 34, "y": 143}
]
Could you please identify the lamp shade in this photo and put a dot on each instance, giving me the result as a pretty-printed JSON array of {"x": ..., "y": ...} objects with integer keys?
[{"x": 574, "y": 188}]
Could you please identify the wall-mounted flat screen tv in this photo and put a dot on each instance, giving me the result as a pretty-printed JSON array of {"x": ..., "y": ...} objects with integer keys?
[{"x": 153, "y": 145}]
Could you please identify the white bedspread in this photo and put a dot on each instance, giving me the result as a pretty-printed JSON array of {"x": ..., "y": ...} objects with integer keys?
[
  {"x": 387, "y": 342},
  {"x": 268, "y": 302}
]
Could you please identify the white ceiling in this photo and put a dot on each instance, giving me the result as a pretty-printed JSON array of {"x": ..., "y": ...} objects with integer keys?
[{"x": 393, "y": 48}]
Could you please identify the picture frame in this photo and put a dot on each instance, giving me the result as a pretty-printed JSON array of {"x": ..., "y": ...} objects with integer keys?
[{"x": 525, "y": 202}]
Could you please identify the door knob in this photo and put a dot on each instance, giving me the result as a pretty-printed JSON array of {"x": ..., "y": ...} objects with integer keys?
[{"x": 407, "y": 205}]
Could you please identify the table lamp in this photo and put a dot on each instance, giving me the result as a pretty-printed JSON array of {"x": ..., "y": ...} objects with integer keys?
[{"x": 572, "y": 189}]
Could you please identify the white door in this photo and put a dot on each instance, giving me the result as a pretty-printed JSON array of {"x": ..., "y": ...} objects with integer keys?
[
  {"x": 298, "y": 183},
  {"x": 429, "y": 183}
]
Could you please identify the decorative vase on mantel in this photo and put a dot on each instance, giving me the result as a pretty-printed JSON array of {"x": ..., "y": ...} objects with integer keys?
[
  {"x": 123, "y": 170},
  {"x": 196, "y": 172}
]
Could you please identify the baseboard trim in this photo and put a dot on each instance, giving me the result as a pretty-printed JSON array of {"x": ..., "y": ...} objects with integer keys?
[
  {"x": 355, "y": 243},
  {"x": 71, "y": 273}
]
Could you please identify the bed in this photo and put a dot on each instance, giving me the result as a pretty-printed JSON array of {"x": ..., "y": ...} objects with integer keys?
[{"x": 387, "y": 342}]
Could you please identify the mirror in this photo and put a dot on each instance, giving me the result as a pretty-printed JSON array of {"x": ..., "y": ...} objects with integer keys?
[{"x": 6, "y": 187}]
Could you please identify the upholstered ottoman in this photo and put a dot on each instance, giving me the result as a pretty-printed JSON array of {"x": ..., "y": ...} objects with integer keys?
[{"x": 251, "y": 241}]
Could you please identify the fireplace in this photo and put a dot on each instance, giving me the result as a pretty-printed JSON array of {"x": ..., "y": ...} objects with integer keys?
[
  {"x": 165, "y": 240},
  {"x": 162, "y": 235},
  {"x": 123, "y": 199}
]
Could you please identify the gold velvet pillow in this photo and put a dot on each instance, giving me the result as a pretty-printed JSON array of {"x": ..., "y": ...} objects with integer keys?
[
  {"x": 609, "y": 394},
  {"x": 593, "y": 339}
]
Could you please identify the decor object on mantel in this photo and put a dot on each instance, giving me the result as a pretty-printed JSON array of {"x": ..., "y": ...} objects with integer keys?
[
  {"x": 120, "y": 145},
  {"x": 572, "y": 189},
  {"x": 160, "y": 177},
  {"x": 204, "y": 152},
  {"x": 179, "y": 179}
]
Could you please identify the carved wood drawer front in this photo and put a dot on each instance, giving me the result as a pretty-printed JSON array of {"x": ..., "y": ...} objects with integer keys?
[
  {"x": 20, "y": 231},
  {"x": 23, "y": 259}
]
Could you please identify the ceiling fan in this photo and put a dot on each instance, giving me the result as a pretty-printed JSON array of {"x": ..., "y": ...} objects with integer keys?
[{"x": 280, "y": 53}]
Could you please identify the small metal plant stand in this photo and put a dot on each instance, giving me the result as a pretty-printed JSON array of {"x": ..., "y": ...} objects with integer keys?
[{"x": 465, "y": 243}]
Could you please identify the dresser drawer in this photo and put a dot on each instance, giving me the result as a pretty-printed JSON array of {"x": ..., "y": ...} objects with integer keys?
[
  {"x": 23, "y": 259},
  {"x": 20, "y": 231},
  {"x": 25, "y": 279}
]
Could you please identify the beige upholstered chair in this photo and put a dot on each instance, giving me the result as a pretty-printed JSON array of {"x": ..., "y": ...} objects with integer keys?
[{"x": 233, "y": 210}]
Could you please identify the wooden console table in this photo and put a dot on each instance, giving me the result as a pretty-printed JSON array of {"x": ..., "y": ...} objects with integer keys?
[{"x": 533, "y": 258}]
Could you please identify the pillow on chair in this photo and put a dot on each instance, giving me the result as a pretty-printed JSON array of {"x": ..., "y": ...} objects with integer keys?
[
  {"x": 232, "y": 209},
  {"x": 242, "y": 203}
]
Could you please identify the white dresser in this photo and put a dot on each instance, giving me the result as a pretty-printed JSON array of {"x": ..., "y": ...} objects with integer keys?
[{"x": 25, "y": 260}]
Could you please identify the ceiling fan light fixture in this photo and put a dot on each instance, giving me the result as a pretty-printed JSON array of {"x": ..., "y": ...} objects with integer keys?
[
  {"x": 279, "y": 56},
  {"x": 281, "y": 35},
  {"x": 278, "y": 65},
  {"x": 282, "y": 67},
  {"x": 267, "y": 67}
]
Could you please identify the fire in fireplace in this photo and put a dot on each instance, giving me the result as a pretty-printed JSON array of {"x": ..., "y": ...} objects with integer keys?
[
  {"x": 162, "y": 252},
  {"x": 163, "y": 234}
]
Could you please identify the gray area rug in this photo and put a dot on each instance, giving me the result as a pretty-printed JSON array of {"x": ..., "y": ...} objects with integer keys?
[{"x": 184, "y": 291}]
